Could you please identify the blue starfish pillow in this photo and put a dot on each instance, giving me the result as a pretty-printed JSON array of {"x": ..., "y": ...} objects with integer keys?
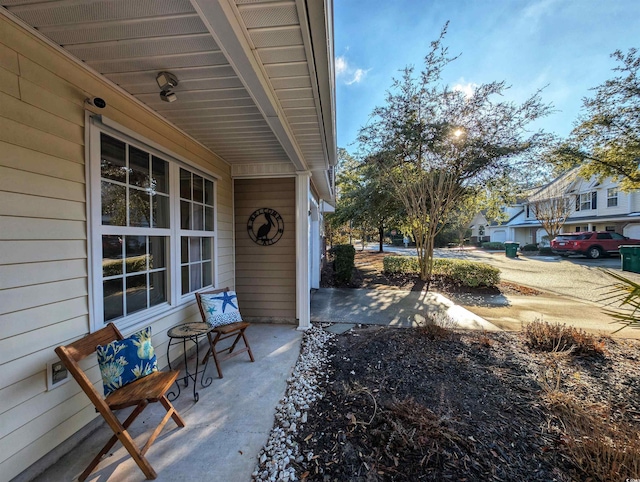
[
  {"x": 124, "y": 361},
  {"x": 220, "y": 309}
]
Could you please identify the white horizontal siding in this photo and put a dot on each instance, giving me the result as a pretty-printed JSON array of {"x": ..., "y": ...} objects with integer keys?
[{"x": 43, "y": 237}]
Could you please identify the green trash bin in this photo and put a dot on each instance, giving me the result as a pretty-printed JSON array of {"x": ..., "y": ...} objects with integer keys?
[
  {"x": 511, "y": 249},
  {"x": 630, "y": 258}
]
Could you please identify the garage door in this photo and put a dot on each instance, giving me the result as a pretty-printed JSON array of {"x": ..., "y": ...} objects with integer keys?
[
  {"x": 499, "y": 236},
  {"x": 632, "y": 231}
]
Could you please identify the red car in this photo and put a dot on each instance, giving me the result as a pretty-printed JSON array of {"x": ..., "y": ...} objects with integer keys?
[{"x": 593, "y": 244}]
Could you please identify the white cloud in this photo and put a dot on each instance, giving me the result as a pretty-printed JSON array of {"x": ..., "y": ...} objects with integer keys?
[
  {"x": 466, "y": 88},
  {"x": 341, "y": 66},
  {"x": 347, "y": 73}
]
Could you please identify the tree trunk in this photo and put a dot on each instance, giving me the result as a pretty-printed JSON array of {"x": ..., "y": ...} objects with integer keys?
[{"x": 381, "y": 236}]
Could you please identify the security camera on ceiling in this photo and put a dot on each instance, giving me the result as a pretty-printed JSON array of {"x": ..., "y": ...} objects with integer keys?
[
  {"x": 167, "y": 81},
  {"x": 168, "y": 96}
]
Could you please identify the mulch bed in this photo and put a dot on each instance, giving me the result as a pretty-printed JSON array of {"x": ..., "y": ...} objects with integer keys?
[{"x": 432, "y": 404}]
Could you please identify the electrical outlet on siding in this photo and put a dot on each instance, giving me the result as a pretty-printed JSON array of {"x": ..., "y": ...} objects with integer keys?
[{"x": 57, "y": 374}]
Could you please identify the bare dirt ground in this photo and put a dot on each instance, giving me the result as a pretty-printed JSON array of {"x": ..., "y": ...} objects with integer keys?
[{"x": 432, "y": 403}]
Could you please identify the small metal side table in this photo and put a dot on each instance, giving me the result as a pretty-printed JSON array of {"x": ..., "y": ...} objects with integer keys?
[{"x": 183, "y": 333}]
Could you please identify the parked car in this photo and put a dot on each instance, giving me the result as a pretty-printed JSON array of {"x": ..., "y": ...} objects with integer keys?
[{"x": 593, "y": 244}]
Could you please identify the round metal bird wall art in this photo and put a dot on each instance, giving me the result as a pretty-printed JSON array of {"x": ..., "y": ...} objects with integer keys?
[{"x": 265, "y": 226}]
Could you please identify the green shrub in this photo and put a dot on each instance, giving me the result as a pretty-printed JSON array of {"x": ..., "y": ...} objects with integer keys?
[
  {"x": 113, "y": 267},
  {"x": 467, "y": 273},
  {"x": 529, "y": 247},
  {"x": 493, "y": 245},
  {"x": 546, "y": 251},
  {"x": 344, "y": 256},
  {"x": 401, "y": 264}
]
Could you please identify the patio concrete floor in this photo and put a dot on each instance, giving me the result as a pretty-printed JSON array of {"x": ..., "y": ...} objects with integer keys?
[{"x": 224, "y": 431}]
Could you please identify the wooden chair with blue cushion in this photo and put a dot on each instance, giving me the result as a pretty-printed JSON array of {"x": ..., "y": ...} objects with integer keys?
[
  {"x": 219, "y": 309},
  {"x": 130, "y": 378}
]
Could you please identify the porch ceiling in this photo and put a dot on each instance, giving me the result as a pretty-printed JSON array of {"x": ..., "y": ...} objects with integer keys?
[{"x": 255, "y": 76}]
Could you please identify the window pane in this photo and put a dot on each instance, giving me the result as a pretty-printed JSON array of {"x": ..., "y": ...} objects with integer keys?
[
  {"x": 160, "y": 206},
  {"x": 185, "y": 280},
  {"x": 114, "y": 204},
  {"x": 208, "y": 219},
  {"x": 139, "y": 208},
  {"x": 185, "y": 215},
  {"x": 138, "y": 168},
  {"x": 112, "y": 294},
  {"x": 160, "y": 178},
  {"x": 198, "y": 217},
  {"x": 206, "y": 248},
  {"x": 195, "y": 253},
  {"x": 207, "y": 274},
  {"x": 208, "y": 193},
  {"x": 111, "y": 256},
  {"x": 157, "y": 252},
  {"x": 184, "y": 250},
  {"x": 198, "y": 189},
  {"x": 196, "y": 278},
  {"x": 112, "y": 159},
  {"x": 157, "y": 288},
  {"x": 136, "y": 293},
  {"x": 185, "y": 184},
  {"x": 136, "y": 253}
]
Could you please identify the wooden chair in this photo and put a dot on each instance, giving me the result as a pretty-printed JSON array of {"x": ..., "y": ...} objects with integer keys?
[
  {"x": 222, "y": 333},
  {"x": 140, "y": 393}
]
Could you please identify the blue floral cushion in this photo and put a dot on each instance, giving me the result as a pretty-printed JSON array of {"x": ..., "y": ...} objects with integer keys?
[
  {"x": 124, "y": 361},
  {"x": 220, "y": 309}
]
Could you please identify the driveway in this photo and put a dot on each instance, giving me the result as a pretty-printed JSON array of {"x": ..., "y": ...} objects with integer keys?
[{"x": 576, "y": 277}]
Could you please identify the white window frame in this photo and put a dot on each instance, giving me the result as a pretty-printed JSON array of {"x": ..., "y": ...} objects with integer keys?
[
  {"x": 612, "y": 195},
  {"x": 175, "y": 299},
  {"x": 585, "y": 195}
]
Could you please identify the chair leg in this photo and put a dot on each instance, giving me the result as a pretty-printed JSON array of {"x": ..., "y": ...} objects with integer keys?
[
  {"x": 129, "y": 445},
  {"x": 174, "y": 414},
  {"x": 246, "y": 343}
]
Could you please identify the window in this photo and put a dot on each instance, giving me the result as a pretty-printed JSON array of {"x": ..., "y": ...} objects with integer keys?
[
  {"x": 603, "y": 236},
  {"x": 612, "y": 197},
  {"x": 610, "y": 228},
  {"x": 153, "y": 229},
  {"x": 586, "y": 201}
]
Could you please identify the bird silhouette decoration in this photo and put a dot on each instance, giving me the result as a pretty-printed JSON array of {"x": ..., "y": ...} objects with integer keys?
[{"x": 263, "y": 231}]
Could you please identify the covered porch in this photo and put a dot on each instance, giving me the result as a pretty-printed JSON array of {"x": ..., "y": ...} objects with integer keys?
[
  {"x": 141, "y": 144},
  {"x": 224, "y": 431}
]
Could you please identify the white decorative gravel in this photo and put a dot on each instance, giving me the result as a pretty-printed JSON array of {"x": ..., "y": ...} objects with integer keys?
[{"x": 281, "y": 450}]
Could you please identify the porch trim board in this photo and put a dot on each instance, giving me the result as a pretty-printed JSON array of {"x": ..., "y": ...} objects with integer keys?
[{"x": 303, "y": 300}]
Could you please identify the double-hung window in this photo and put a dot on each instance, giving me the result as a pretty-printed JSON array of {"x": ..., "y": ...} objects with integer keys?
[
  {"x": 587, "y": 201},
  {"x": 152, "y": 229},
  {"x": 612, "y": 197}
]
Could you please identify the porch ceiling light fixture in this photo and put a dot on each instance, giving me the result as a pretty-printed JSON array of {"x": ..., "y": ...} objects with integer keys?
[{"x": 167, "y": 81}]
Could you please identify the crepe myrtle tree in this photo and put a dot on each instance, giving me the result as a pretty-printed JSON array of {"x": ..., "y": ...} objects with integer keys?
[
  {"x": 438, "y": 145},
  {"x": 551, "y": 206},
  {"x": 605, "y": 141}
]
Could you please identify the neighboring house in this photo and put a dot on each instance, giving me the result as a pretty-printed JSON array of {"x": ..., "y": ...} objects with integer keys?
[
  {"x": 478, "y": 228},
  {"x": 121, "y": 210},
  {"x": 591, "y": 206}
]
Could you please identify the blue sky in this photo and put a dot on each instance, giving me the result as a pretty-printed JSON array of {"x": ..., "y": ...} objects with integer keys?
[{"x": 527, "y": 43}]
